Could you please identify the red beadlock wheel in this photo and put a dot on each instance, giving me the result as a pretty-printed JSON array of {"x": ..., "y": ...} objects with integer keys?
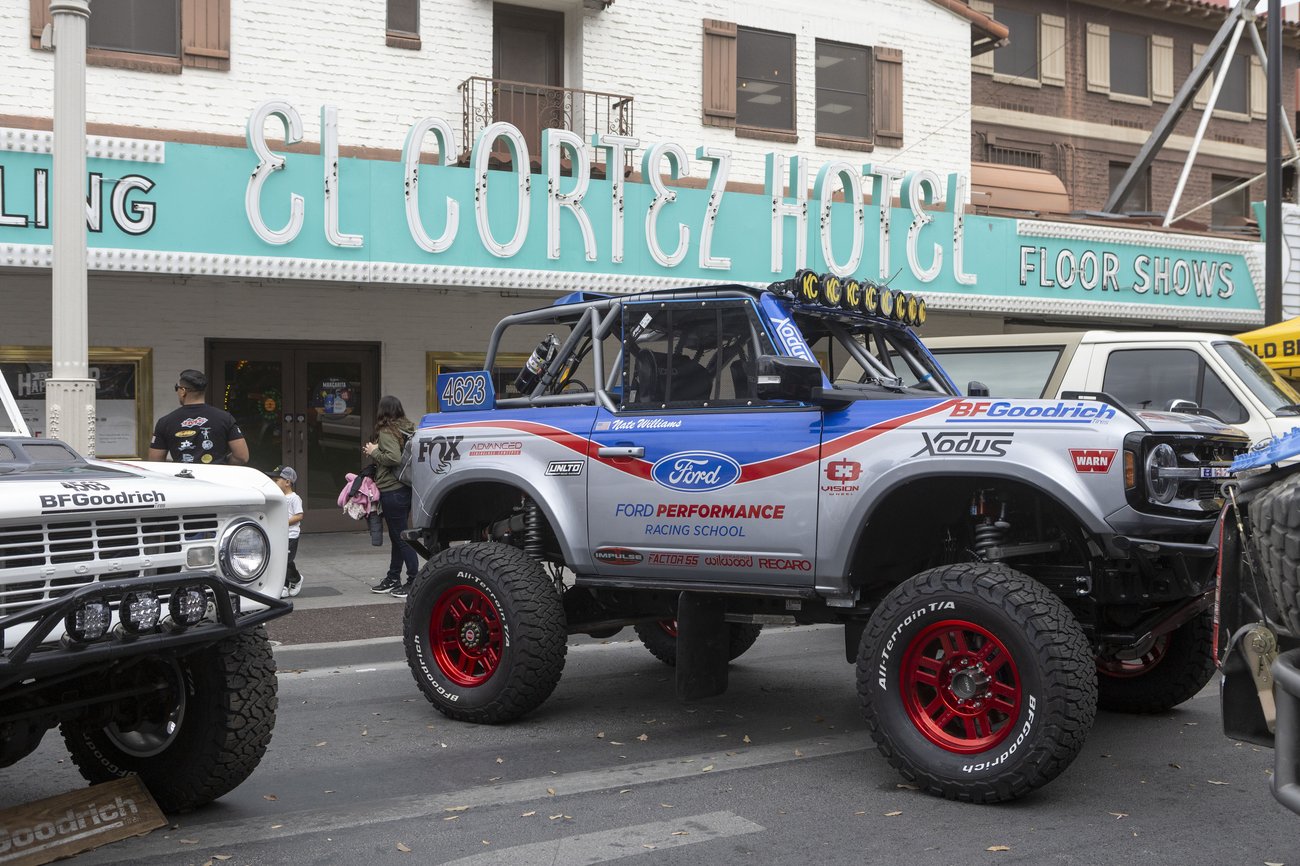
[
  {"x": 465, "y": 635},
  {"x": 960, "y": 687}
]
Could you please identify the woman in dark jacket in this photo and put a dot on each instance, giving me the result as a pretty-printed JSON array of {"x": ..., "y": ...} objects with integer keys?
[{"x": 392, "y": 429}]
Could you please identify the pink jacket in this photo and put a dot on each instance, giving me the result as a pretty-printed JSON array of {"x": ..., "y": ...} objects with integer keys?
[{"x": 359, "y": 496}]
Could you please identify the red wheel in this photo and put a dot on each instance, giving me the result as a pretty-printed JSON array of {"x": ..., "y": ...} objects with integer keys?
[
  {"x": 661, "y": 639},
  {"x": 1126, "y": 668},
  {"x": 1173, "y": 670},
  {"x": 466, "y": 636},
  {"x": 669, "y": 627},
  {"x": 960, "y": 687}
]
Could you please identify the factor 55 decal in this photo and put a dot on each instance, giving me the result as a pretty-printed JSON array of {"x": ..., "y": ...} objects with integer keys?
[
  {"x": 695, "y": 471},
  {"x": 1092, "y": 460}
]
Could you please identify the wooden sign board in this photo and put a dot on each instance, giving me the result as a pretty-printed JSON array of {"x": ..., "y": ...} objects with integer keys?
[{"x": 57, "y": 827}]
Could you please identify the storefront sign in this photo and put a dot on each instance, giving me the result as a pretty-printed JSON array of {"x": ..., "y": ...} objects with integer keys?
[{"x": 257, "y": 212}]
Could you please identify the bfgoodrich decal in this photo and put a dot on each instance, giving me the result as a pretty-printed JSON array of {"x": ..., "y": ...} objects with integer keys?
[{"x": 696, "y": 471}]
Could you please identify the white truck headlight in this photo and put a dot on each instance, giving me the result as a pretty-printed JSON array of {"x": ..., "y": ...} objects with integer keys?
[
  {"x": 245, "y": 551},
  {"x": 1161, "y": 488}
]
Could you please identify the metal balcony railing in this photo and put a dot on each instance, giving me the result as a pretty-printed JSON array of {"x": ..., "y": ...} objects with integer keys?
[{"x": 534, "y": 107}]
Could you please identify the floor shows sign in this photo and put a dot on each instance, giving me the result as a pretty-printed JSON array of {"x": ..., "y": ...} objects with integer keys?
[{"x": 57, "y": 827}]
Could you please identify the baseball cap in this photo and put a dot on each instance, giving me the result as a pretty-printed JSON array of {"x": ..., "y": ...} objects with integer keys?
[{"x": 285, "y": 472}]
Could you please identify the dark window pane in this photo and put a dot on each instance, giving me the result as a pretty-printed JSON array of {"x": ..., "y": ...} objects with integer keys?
[
  {"x": 404, "y": 16},
  {"x": 1218, "y": 399},
  {"x": 1139, "y": 199},
  {"x": 1235, "y": 95},
  {"x": 1129, "y": 64},
  {"x": 1151, "y": 378},
  {"x": 1230, "y": 212},
  {"x": 1019, "y": 58},
  {"x": 843, "y": 88},
  {"x": 141, "y": 26},
  {"x": 764, "y": 79}
]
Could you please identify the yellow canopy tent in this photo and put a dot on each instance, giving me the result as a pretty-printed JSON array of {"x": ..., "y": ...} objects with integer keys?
[{"x": 1278, "y": 346}]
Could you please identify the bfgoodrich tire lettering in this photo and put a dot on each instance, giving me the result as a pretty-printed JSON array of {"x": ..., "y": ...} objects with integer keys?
[
  {"x": 485, "y": 633},
  {"x": 977, "y": 683},
  {"x": 228, "y": 692}
]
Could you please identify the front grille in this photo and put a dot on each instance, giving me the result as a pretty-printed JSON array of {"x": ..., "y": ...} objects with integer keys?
[{"x": 64, "y": 556}]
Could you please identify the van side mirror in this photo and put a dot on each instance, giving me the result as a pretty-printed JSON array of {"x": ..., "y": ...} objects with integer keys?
[
  {"x": 1189, "y": 406},
  {"x": 781, "y": 377},
  {"x": 976, "y": 389}
]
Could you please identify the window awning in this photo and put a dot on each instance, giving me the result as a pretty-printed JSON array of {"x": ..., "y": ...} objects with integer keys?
[{"x": 1011, "y": 187}]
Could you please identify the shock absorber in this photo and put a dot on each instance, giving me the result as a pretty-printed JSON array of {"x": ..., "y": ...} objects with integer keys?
[
  {"x": 990, "y": 532},
  {"x": 532, "y": 529}
]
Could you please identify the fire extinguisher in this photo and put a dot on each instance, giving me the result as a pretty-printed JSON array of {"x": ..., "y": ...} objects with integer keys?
[{"x": 536, "y": 364}]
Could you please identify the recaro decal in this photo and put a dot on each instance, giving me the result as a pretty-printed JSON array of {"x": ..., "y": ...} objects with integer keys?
[
  {"x": 1096, "y": 460},
  {"x": 695, "y": 471}
]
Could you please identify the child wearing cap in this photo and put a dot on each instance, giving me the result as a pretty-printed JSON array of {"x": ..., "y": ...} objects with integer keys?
[{"x": 286, "y": 478}]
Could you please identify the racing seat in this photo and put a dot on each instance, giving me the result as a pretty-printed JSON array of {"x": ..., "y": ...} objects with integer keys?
[{"x": 691, "y": 382}]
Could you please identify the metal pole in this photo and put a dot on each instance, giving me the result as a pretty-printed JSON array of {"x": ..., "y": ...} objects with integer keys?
[
  {"x": 1273, "y": 157},
  {"x": 69, "y": 392}
]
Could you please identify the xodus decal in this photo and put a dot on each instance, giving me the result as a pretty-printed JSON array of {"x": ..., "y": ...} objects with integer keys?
[
  {"x": 950, "y": 444},
  {"x": 695, "y": 471},
  {"x": 448, "y": 448}
]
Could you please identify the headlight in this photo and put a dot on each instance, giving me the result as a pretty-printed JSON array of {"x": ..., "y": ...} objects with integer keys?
[
  {"x": 245, "y": 551},
  {"x": 1161, "y": 489}
]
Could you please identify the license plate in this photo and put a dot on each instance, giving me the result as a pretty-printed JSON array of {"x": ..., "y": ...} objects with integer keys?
[{"x": 1216, "y": 472}]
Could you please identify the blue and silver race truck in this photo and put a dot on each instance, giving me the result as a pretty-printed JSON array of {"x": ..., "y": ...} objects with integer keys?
[{"x": 696, "y": 463}]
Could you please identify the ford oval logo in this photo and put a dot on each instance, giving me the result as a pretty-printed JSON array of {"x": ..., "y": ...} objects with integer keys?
[{"x": 696, "y": 471}]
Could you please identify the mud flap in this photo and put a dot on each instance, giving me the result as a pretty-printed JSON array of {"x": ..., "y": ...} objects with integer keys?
[
  {"x": 702, "y": 646},
  {"x": 1239, "y": 696}
]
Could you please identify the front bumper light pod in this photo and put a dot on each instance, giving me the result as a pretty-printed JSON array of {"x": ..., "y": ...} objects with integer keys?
[
  {"x": 1161, "y": 489},
  {"x": 188, "y": 605},
  {"x": 245, "y": 551},
  {"x": 89, "y": 622},
  {"x": 139, "y": 611}
]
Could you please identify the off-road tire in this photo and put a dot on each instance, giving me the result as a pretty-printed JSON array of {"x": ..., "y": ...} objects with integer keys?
[
  {"x": 661, "y": 639},
  {"x": 1275, "y": 515},
  {"x": 1178, "y": 667},
  {"x": 503, "y": 633},
  {"x": 229, "y": 711},
  {"x": 976, "y": 632}
]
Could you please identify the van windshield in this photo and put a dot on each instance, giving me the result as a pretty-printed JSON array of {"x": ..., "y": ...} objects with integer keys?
[{"x": 1271, "y": 389}]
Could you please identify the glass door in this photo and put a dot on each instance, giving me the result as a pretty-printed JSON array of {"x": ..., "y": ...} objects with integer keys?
[{"x": 304, "y": 405}]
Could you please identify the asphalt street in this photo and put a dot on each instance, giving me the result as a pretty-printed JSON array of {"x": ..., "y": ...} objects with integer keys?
[{"x": 777, "y": 771}]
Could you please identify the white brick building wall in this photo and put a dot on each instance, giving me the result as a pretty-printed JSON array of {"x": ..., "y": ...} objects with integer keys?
[{"x": 312, "y": 53}]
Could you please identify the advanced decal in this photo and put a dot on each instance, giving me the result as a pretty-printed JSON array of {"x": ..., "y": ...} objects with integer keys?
[
  {"x": 695, "y": 471},
  {"x": 955, "y": 444},
  {"x": 51, "y": 502},
  {"x": 511, "y": 448},
  {"x": 1002, "y": 411},
  {"x": 1092, "y": 460}
]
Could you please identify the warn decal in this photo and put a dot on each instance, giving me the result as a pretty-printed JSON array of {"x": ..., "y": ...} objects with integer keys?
[{"x": 1087, "y": 460}]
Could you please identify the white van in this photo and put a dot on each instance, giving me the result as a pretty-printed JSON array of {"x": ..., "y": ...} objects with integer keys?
[{"x": 1143, "y": 370}]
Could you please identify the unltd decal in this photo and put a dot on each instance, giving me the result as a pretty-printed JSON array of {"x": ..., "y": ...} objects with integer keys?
[
  {"x": 1088, "y": 460},
  {"x": 496, "y": 449},
  {"x": 695, "y": 471},
  {"x": 617, "y": 556},
  {"x": 564, "y": 467},
  {"x": 992, "y": 411},
  {"x": 950, "y": 444}
]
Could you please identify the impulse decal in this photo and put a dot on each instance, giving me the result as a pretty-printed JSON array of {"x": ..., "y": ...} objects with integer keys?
[
  {"x": 617, "y": 556},
  {"x": 1088, "y": 460}
]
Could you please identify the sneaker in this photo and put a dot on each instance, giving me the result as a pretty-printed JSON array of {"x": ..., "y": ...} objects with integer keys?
[
  {"x": 294, "y": 587},
  {"x": 401, "y": 591},
  {"x": 387, "y": 584}
]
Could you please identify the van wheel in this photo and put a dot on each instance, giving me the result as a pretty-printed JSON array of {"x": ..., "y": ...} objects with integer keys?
[
  {"x": 661, "y": 639},
  {"x": 1177, "y": 666},
  {"x": 485, "y": 632},
  {"x": 977, "y": 683}
]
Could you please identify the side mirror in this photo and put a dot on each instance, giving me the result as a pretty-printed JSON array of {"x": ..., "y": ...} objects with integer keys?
[
  {"x": 781, "y": 377},
  {"x": 1189, "y": 406},
  {"x": 976, "y": 389}
]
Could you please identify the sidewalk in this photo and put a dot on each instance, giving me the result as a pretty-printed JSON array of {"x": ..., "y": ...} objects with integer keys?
[{"x": 336, "y": 603}]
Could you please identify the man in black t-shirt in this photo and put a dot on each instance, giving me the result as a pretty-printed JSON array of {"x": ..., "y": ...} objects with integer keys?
[{"x": 197, "y": 432}]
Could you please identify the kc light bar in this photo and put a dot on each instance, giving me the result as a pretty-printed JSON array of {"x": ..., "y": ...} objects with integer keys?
[{"x": 852, "y": 295}]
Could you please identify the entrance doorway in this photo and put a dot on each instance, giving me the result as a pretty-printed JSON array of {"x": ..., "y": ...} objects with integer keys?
[{"x": 301, "y": 404}]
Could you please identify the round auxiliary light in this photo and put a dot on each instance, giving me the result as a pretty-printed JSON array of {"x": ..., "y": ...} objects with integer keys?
[
  {"x": 887, "y": 303},
  {"x": 871, "y": 299},
  {"x": 912, "y": 304},
  {"x": 832, "y": 290},
  {"x": 188, "y": 605},
  {"x": 88, "y": 621},
  {"x": 852, "y": 295},
  {"x": 139, "y": 611},
  {"x": 808, "y": 286},
  {"x": 901, "y": 301},
  {"x": 920, "y": 312}
]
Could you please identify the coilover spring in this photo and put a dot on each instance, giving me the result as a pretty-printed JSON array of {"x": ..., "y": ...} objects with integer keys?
[
  {"x": 990, "y": 533},
  {"x": 533, "y": 529}
]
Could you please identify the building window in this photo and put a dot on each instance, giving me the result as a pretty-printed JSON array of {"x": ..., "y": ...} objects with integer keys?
[
  {"x": 1018, "y": 58},
  {"x": 150, "y": 35},
  {"x": 1014, "y": 156},
  {"x": 1235, "y": 94},
  {"x": 1130, "y": 64},
  {"x": 843, "y": 90},
  {"x": 403, "y": 24},
  {"x": 1139, "y": 199},
  {"x": 765, "y": 79},
  {"x": 1231, "y": 212}
]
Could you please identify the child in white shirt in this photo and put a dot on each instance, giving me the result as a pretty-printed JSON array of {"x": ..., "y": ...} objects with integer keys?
[{"x": 286, "y": 478}]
